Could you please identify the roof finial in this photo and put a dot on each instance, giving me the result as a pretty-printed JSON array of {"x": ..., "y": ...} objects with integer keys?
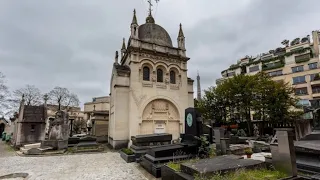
[
  {"x": 150, "y": 19},
  {"x": 134, "y": 19},
  {"x": 181, "y": 31},
  {"x": 123, "y": 44}
]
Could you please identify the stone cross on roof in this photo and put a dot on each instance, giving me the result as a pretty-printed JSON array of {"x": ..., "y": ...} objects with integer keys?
[{"x": 150, "y": 5}]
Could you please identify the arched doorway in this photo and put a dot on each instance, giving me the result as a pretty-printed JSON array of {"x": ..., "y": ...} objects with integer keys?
[
  {"x": 2, "y": 126},
  {"x": 160, "y": 116}
]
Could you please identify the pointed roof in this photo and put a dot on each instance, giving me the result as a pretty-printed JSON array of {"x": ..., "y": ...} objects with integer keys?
[
  {"x": 123, "y": 44},
  {"x": 134, "y": 19},
  {"x": 180, "y": 31}
]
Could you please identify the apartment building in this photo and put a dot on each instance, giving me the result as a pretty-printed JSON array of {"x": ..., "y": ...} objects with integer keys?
[{"x": 296, "y": 63}]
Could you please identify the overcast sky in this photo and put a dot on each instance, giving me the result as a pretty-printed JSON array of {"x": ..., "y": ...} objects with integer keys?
[{"x": 71, "y": 43}]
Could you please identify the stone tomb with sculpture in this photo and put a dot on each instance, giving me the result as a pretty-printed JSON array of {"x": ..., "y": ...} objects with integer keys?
[{"x": 59, "y": 139}]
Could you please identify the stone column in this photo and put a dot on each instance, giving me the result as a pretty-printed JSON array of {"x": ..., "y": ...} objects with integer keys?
[
  {"x": 218, "y": 134},
  {"x": 284, "y": 157}
]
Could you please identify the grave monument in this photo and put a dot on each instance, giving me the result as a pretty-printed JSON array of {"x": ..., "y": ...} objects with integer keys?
[
  {"x": 58, "y": 132},
  {"x": 157, "y": 156}
]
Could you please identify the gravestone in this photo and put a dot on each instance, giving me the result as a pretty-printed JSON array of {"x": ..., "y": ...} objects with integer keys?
[
  {"x": 193, "y": 122},
  {"x": 59, "y": 132},
  {"x": 222, "y": 143},
  {"x": 141, "y": 143},
  {"x": 220, "y": 164},
  {"x": 189, "y": 146},
  {"x": 283, "y": 154}
]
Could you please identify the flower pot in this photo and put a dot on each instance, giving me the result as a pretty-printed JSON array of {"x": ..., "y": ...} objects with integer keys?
[
  {"x": 128, "y": 158},
  {"x": 249, "y": 156}
]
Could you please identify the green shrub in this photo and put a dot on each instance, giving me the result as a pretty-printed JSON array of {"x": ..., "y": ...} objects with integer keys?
[
  {"x": 127, "y": 151},
  {"x": 248, "y": 151},
  {"x": 174, "y": 165}
]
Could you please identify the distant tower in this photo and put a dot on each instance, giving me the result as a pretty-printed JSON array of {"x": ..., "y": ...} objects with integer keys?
[{"x": 198, "y": 87}]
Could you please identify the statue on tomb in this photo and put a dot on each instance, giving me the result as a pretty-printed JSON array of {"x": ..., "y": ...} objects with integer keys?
[
  {"x": 89, "y": 123},
  {"x": 256, "y": 130},
  {"x": 59, "y": 127}
]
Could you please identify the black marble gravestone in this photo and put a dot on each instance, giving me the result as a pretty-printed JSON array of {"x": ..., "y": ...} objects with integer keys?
[{"x": 193, "y": 122}]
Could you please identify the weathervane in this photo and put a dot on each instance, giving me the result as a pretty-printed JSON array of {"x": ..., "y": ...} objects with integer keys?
[{"x": 150, "y": 5}]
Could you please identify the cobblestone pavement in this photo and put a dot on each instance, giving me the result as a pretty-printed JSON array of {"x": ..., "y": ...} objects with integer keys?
[{"x": 107, "y": 166}]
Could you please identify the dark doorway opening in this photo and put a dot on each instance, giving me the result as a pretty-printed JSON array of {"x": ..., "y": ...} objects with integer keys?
[{"x": 2, "y": 126}]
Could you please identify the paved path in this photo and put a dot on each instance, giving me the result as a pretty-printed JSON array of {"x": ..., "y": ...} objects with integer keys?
[
  {"x": 5, "y": 150},
  {"x": 108, "y": 166}
]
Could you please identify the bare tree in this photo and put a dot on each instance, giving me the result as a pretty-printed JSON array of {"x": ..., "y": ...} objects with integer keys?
[
  {"x": 4, "y": 93},
  {"x": 63, "y": 98},
  {"x": 78, "y": 126},
  {"x": 32, "y": 95}
]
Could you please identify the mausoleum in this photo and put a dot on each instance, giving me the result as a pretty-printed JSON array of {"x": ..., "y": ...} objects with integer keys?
[{"x": 149, "y": 86}]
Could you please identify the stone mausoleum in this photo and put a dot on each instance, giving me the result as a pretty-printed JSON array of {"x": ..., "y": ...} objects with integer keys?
[{"x": 149, "y": 86}]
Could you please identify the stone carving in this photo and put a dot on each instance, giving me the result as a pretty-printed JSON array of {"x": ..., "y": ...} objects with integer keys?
[
  {"x": 153, "y": 77},
  {"x": 256, "y": 130},
  {"x": 60, "y": 127},
  {"x": 167, "y": 80},
  {"x": 161, "y": 110},
  {"x": 174, "y": 60}
]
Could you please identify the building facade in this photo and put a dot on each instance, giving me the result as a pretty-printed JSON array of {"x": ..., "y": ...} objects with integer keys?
[
  {"x": 297, "y": 63},
  {"x": 98, "y": 112},
  {"x": 149, "y": 87}
]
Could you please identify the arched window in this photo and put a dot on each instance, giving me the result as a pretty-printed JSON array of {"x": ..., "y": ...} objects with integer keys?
[
  {"x": 146, "y": 74},
  {"x": 172, "y": 77},
  {"x": 159, "y": 75}
]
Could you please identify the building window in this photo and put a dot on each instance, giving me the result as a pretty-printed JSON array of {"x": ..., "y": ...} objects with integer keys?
[
  {"x": 172, "y": 77},
  {"x": 303, "y": 102},
  {"x": 299, "y": 80},
  {"x": 275, "y": 73},
  {"x": 297, "y": 69},
  {"x": 313, "y": 65},
  {"x": 146, "y": 74},
  {"x": 230, "y": 74},
  {"x": 159, "y": 75},
  {"x": 316, "y": 89},
  {"x": 254, "y": 68},
  {"x": 314, "y": 77},
  {"x": 33, "y": 127},
  {"x": 301, "y": 91}
]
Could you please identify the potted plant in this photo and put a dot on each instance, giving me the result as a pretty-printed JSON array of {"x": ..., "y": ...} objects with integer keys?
[
  {"x": 128, "y": 155},
  {"x": 248, "y": 152}
]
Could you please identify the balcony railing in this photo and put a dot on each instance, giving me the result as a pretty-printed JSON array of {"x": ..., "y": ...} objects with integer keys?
[
  {"x": 315, "y": 90},
  {"x": 302, "y": 58},
  {"x": 275, "y": 66}
]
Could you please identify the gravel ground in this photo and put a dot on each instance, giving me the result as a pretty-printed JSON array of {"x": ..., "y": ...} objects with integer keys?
[{"x": 107, "y": 166}]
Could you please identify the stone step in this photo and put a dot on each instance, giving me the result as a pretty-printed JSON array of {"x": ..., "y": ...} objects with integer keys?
[
  {"x": 30, "y": 146},
  {"x": 24, "y": 150}
]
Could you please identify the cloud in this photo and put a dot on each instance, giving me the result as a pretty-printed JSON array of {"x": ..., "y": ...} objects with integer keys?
[{"x": 71, "y": 43}]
